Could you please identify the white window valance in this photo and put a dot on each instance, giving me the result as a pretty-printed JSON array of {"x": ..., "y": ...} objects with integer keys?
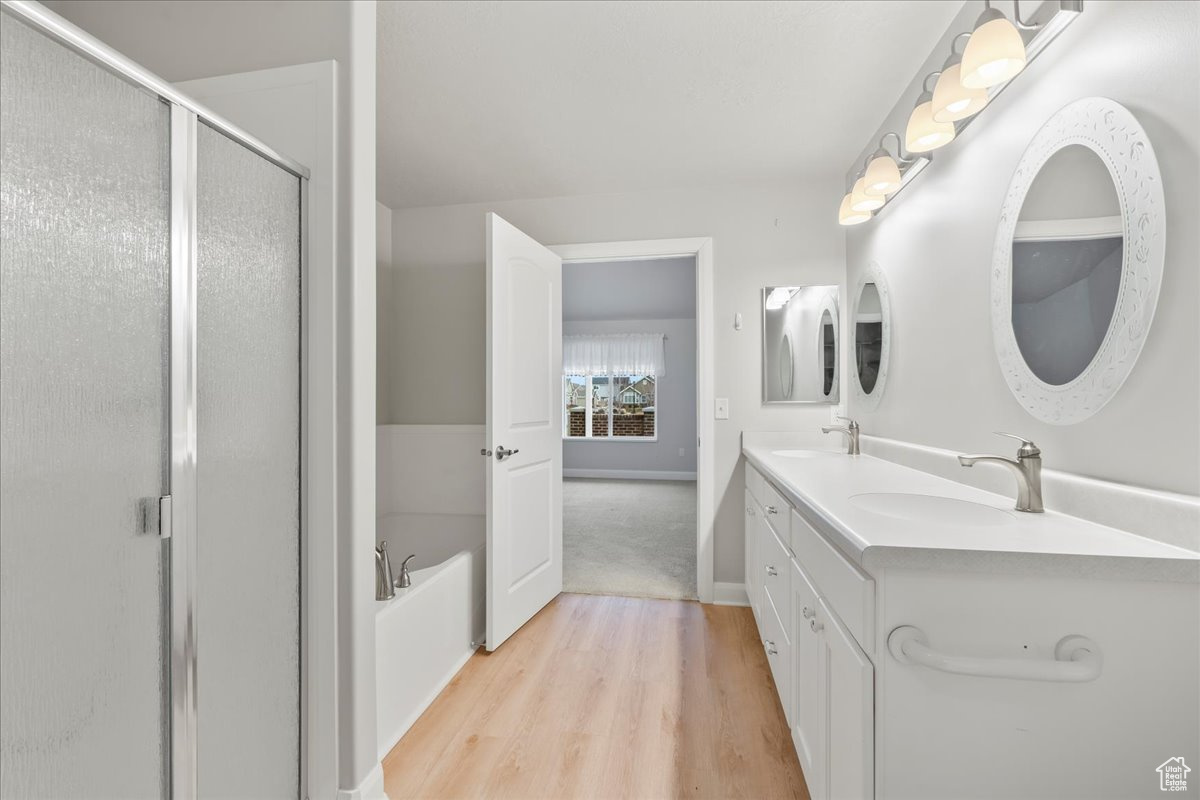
[{"x": 615, "y": 354}]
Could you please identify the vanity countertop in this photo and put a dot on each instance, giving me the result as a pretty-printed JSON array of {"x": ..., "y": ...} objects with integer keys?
[{"x": 1051, "y": 543}]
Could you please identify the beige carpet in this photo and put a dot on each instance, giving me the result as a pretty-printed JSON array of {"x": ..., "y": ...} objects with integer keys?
[{"x": 631, "y": 538}]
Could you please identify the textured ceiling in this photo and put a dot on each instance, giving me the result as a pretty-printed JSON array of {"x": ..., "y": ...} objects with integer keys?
[{"x": 483, "y": 101}]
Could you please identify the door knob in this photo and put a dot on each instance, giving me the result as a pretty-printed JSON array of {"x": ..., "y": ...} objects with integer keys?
[{"x": 502, "y": 454}]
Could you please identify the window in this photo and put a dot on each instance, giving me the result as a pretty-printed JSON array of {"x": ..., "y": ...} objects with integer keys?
[{"x": 609, "y": 407}]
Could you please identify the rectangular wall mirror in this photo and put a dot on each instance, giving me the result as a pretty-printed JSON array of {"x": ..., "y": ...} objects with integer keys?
[{"x": 800, "y": 344}]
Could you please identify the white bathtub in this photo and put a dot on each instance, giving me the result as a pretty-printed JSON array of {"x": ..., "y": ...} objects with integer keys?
[
  {"x": 422, "y": 639},
  {"x": 429, "y": 502}
]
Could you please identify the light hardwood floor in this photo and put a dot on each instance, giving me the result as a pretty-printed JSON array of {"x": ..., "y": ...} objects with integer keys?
[{"x": 607, "y": 697}]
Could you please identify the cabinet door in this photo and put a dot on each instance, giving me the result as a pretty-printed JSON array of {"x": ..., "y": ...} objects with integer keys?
[
  {"x": 808, "y": 683},
  {"x": 850, "y": 729},
  {"x": 752, "y": 574}
]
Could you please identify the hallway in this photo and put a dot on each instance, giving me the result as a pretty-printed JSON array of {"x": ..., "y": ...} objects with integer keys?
[{"x": 607, "y": 697}]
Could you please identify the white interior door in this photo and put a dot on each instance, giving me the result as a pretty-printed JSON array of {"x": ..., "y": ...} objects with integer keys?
[{"x": 524, "y": 392}]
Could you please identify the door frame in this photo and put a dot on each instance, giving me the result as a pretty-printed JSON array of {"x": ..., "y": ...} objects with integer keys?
[{"x": 701, "y": 248}]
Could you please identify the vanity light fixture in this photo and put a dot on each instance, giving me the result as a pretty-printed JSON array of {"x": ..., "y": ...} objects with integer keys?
[
  {"x": 883, "y": 173},
  {"x": 862, "y": 200},
  {"x": 951, "y": 100},
  {"x": 924, "y": 133},
  {"x": 848, "y": 216},
  {"x": 995, "y": 52}
]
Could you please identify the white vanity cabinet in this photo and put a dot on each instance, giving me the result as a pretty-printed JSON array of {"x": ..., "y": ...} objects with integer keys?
[
  {"x": 1037, "y": 656},
  {"x": 822, "y": 674}
]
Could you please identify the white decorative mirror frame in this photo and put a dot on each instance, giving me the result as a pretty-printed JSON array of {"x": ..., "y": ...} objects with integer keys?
[
  {"x": 863, "y": 401},
  {"x": 1112, "y": 132}
]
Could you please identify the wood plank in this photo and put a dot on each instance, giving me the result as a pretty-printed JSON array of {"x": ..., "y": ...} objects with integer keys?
[{"x": 607, "y": 697}]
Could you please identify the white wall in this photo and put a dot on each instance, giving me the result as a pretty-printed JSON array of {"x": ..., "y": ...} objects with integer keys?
[
  {"x": 935, "y": 242},
  {"x": 675, "y": 406},
  {"x": 383, "y": 313},
  {"x": 783, "y": 234}
]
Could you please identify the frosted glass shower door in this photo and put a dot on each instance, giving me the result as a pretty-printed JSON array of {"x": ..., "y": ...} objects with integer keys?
[
  {"x": 84, "y": 303},
  {"x": 248, "y": 473}
]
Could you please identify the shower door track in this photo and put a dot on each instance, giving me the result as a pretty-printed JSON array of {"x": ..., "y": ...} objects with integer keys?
[{"x": 186, "y": 115}]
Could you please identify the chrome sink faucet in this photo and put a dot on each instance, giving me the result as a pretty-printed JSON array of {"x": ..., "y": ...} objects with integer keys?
[
  {"x": 1027, "y": 468},
  {"x": 851, "y": 430}
]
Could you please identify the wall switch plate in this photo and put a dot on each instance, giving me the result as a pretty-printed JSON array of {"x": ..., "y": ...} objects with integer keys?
[
  {"x": 737, "y": 321},
  {"x": 722, "y": 408}
]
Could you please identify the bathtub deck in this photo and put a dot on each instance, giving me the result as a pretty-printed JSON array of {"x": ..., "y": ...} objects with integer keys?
[{"x": 607, "y": 697}]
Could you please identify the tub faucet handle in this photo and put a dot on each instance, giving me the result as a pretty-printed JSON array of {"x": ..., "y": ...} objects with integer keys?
[{"x": 405, "y": 580}]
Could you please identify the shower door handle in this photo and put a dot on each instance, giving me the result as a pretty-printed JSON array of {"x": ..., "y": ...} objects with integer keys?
[{"x": 502, "y": 454}]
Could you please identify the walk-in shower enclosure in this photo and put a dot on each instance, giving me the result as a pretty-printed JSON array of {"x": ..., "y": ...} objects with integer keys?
[{"x": 150, "y": 457}]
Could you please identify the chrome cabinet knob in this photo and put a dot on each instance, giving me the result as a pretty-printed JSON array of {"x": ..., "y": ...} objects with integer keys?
[
  {"x": 750, "y": 511},
  {"x": 817, "y": 627},
  {"x": 808, "y": 613},
  {"x": 772, "y": 650},
  {"x": 771, "y": 570},
  {"x": 772, "y": 510}
]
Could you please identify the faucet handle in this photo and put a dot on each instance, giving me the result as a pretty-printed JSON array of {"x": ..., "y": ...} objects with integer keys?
[
  {"x": 1027, "y": 450},
  {"x": 850, "y": 423}
]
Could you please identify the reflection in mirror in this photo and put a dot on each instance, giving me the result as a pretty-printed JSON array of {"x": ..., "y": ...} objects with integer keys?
[
  {"x": 828, "y": 353},
  {"x": 800, "y": 344},
  {"x": 1066, "y": 264},
  {"x": 787, "y": 361},
  {"x": 868, "y": 337}
]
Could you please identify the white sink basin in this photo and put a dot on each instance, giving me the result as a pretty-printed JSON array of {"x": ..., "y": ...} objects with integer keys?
[
  {"x": 931, "y": 508},
  {"x": 801, "y": 453}
]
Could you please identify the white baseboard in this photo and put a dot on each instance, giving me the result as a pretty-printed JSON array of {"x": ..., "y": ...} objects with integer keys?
[
  {"x": 370, "y": 789},
  {"x": 730, "y": 594},
  {"x": 629, "y": 474}
]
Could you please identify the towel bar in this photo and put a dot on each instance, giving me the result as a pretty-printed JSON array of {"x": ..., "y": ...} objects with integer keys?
[{"x": 1077, "y": 659}]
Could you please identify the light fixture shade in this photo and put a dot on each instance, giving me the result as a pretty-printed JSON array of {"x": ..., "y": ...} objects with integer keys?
[
  {"x": 861, "y": 201},
  {"x": 883, "y": 176},
  {"x": 924, "y": 133},
  {"x": 848, "y": 216},
  {"x": 952, "y": 101},
  {"x": 995, "y": 52}
]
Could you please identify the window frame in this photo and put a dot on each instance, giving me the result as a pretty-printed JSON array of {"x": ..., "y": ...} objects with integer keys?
[{"x": 588, "y": 411}]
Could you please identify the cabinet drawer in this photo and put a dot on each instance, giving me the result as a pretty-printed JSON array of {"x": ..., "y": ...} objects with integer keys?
[
  {"x": 755, "y": 482},
  {"x": 776, "y": 575},
  {"x": 848, "y": 591},
  {"x": 779, "y": 655},
  {"x": 776, "y": 511}
]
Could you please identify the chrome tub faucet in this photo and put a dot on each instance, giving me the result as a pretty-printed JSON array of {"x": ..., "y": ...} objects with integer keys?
[
  {"x": 1027, "y": 469},
  {"x": 384, "y": 588},
  {"x": 851, "y": 430}
]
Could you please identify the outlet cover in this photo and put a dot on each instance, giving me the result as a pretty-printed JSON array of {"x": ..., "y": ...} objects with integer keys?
[{"x": 722, "y": 408}]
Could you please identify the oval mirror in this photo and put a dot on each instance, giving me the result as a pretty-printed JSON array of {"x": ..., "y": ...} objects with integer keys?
[
  {"x": 871, "y": 331},
  {"x": 828, "y": 353},
  {"x": 1078, "y": 261},
  {"x": 786, "y": 364},
  {"x": 1067, "y": 251}
]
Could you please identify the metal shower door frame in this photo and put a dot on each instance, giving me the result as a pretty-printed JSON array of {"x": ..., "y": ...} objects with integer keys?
[{"x": 185, "y": 117}]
